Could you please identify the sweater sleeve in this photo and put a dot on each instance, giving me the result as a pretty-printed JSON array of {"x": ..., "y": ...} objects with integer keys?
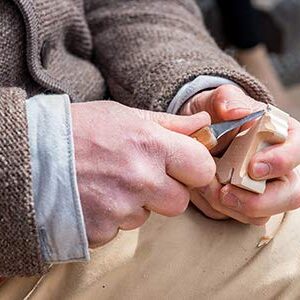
[
  {"x": 147, "y": 50},
  {"x": 19, "y": 242}
]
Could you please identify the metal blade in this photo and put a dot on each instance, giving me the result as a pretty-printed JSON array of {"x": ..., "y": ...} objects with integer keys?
[{"x": 222, "y": 128}]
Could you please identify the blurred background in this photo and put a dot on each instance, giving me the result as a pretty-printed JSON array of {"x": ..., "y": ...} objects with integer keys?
[{"x": 264, "y": 37}]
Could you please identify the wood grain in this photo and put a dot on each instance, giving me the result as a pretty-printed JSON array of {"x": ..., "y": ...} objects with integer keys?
[
  {"x": 206, "y": 137},
  {"x": 232, "y": 168}
]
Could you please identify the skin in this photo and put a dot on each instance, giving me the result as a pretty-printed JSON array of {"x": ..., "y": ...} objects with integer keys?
[
  {"x": 277, "y": 163},
  {"x": 130, "y": 162}
]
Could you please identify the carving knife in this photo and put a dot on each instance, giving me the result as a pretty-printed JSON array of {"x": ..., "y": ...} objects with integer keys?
[{"x": 209, "y": 135}]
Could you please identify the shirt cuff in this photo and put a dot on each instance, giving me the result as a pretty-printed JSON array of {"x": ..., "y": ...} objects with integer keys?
[
  {"x": 202, "y": 82},
  {"x": 58, "y": 209}
]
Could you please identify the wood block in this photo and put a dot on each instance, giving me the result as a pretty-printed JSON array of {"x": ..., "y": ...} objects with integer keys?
[{"x": 271, "y": 128}]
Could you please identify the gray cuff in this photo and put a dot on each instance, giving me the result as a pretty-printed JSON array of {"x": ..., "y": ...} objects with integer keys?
[
  {"x": 199, "y": 84},
  {"x": 58, "y": 209}
]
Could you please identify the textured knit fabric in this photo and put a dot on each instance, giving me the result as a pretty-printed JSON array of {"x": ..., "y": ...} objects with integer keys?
[
  {"x": 146, "y": 50},
  {"x": 158, "y": 46},
  {"x": 59, "y": 215},
  {"x": 19, "y": 249}
]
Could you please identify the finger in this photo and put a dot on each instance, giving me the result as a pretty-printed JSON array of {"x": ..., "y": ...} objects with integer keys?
[
  {"x": 280, "y": 196},
  {"x": 102, "y": 236},
  {"x": 226, "y": 102},
  {"x": 201, "y": 203},
  {"x": 171, "y": 199},
  {"x": 136, "y": 219},
  {"x": 230, "y": 102},
  {"x": 212, "y": 194},
  {"x": 181, "y": 124},
  {"x": 187, "y": 160},
  {"x": 277, "y": 160}
]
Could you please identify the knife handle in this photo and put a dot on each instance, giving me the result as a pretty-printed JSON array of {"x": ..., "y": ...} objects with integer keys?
[{"x": 206, "y": 137}]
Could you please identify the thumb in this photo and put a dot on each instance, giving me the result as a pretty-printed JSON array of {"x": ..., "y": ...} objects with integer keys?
[
  {"x": 181, "y": 124},
  {"x": 224, "y": 103}
]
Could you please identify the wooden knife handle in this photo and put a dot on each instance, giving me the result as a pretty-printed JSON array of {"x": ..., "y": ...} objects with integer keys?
[{"x": 206, "y": 137}]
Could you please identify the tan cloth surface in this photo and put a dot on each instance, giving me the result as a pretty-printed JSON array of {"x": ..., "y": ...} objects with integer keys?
[{"x": 188, "y": 257}]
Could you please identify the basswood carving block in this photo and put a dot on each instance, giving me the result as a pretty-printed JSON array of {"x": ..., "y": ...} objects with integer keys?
[{"x": 271, "y": 128}]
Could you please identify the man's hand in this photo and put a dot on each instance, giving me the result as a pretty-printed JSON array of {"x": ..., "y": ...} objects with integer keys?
[
  {"x": 130, "y": 162},
  {"x": 278, "y": 163}
]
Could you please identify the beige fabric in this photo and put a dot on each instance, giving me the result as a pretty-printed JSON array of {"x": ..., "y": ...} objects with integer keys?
[{"x": 188, "y": 257}]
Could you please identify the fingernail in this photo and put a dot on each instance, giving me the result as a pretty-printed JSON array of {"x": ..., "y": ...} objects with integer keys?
[
  {"x": 230, "y": 200},
  {"x": 236, "y": 105},
  {"x": 261, "y": 170}
]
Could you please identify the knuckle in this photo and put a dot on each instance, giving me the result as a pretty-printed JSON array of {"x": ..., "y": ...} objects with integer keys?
[
  {"x": 225, "y": 90},
  {"x": 135, "y": 220},
  {"x": 97, "y": 238},
  {"x": 143, "y": 179},
  {"x": 281, "y": 163},
  {"x": 178, "y": 202},
  {"x": 148, "y": 141},
  {"x": 132, "y": 226},
  {"x": 143, "y": 183}
]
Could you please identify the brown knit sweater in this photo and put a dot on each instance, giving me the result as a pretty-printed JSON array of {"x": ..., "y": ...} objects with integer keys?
[{"x": 146, "y": 50}]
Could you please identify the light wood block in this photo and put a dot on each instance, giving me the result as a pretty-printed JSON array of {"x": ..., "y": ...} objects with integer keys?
[{"x": 271, "y": 128}]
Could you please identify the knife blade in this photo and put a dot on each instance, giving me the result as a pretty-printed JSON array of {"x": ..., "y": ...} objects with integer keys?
[{"x": 209, "y": 135}]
